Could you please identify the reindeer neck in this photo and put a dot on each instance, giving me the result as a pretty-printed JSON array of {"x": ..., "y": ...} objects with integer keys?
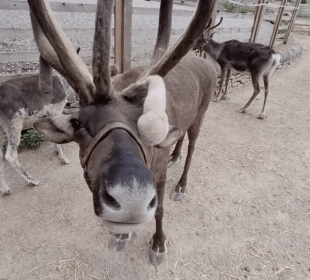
[{"x": 214, "y": 48}]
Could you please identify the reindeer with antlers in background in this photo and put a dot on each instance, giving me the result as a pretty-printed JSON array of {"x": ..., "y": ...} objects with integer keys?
[
  {"x": 258, "y": 59},
  {"x": 124, "y": 139}
]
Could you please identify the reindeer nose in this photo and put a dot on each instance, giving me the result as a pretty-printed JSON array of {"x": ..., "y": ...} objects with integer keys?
[
  {"x": 110, "y": 201},
  {"x": 152, "y": 204},
  {"x": 129, "y": 204}
]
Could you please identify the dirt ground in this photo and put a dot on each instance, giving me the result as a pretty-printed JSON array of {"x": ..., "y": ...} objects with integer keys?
[{"x": 246, "y": 214}]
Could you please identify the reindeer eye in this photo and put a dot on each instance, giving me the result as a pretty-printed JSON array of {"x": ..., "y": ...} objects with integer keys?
[{"x": 76, "y": 124}]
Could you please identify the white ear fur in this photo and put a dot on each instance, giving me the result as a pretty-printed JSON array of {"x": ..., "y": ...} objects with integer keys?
[{"x": 153, "y": 124}]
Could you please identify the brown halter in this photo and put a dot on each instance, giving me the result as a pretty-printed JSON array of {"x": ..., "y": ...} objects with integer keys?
[{"x": 103, "y": 134}]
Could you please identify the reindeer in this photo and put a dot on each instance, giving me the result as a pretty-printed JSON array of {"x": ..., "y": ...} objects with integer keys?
[
  {"x": 259, "y": 60},
  {"x": 125, "y": 129},
  {"x": 24, "y": 100}
]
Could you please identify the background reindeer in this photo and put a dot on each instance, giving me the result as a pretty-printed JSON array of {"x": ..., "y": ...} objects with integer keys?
[
  {"x": 259, "y": 60},
  {"x": 124, "y": 151},
  {"x": 24, "y": 100}
]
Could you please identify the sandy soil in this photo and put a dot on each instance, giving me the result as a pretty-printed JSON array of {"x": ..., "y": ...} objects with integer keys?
[{"x": 245, "y": 216}]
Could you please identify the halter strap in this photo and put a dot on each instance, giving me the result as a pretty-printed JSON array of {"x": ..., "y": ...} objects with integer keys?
[{"x": 104, "y": 133}]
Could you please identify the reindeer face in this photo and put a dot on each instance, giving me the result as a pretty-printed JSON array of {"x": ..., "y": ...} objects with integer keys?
[
  {"x": 199, "y": 43},
  {"x": 123, "y": 187}
]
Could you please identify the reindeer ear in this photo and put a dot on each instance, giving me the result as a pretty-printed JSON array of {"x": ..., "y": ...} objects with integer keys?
[
  {"x": 56, "y": 129},
  {"x": 136, "y": 93}
]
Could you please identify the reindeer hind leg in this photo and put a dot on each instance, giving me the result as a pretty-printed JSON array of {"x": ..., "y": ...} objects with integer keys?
[
  {"x": 178, "y": 192},
  {"x": 266, "y": 84},
  {"x": 5, "y": 189},
  {"x": 176, "y": 155}
]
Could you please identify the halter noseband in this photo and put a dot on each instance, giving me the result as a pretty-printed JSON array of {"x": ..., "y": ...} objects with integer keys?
[{"x": 103, "y": 134}]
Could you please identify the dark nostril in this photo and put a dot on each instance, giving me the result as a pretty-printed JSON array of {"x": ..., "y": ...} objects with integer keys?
[
  {"x": 153, "y": 202},
  {"x": 110, "y": 201}
]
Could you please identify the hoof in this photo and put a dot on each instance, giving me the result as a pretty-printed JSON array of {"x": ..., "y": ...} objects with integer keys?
[
  {"x": 65, "y": 161},
  {"x": 177, "y": 196},
  {"x": 225, "y": 97},
  {"x": 173, "y": 161},
  {"x": 217, "y": 99},
  {"x": 156, "y": 257},
  {"x": 243, "y": 110},
  {"x": 6, "y": 191},
  {"x": 262, "y": 116},
  {"x": 33, "y": 182},
  {"x": 119, "y": 242}
]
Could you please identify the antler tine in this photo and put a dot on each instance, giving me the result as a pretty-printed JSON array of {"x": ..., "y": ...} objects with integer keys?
[
  {"x": 207, "y": 29},
  {"x": 101, "y": 50},
  {"x": 164, "y": 30},
  {"x": 71, "y": 63},
  {"x": 186, "y": 41},
  {"x": 208, "y": 24}
]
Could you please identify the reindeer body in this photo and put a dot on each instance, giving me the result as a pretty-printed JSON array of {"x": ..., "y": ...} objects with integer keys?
[
  {"x": 188, "y": 87},
  {"x": 22, "y": 103},
  {"x": 255, "y": 58}
]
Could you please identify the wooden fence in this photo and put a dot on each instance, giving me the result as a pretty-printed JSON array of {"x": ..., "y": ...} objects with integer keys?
[
  {"x": 303, "y": 17},
  {"x": 123, "y": 31}
]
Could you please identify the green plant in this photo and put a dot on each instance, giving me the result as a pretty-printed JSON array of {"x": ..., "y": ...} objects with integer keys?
[
  {"x": 285, "y": 22},
  {"x": 303, "y": 1},
  {"x": 232, "y": 8},
  {"x": 229, "y": 7},
  {"x": 5, "y": 143},
  {"x": 301, "y": 15},
  {"x": 31, "y": 138},
  {"x": 245, "y": 9}
]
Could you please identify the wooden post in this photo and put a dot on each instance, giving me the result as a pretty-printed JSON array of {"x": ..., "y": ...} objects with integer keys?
[
  {"x": 122, "y": 34},
  {"x": 277, "y": 24},
  {"x": 257, "y": 21},
  {"x": 290, "y": 26}
]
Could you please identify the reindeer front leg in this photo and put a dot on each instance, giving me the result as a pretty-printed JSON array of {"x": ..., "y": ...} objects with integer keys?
[
  {"x": 217, "y": 97},
  {"x": 158, "y": 250},
  {"x": 225, "y": 96}
]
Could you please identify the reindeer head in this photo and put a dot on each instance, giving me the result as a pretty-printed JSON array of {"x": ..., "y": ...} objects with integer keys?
[
  {"x": 206, "y": 36},
  {"x": 118, "y": 125}
]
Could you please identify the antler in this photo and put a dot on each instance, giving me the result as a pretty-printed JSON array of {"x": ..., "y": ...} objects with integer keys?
[
  {"x": 164, "y": 30},
  {"x": 208, "y": 28},
  {"x": 47, "y": 52},
  {"x": 186, "y": 41},
  {"x": 72, "y": 66},
  {"x": 101, "y": 50}
]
